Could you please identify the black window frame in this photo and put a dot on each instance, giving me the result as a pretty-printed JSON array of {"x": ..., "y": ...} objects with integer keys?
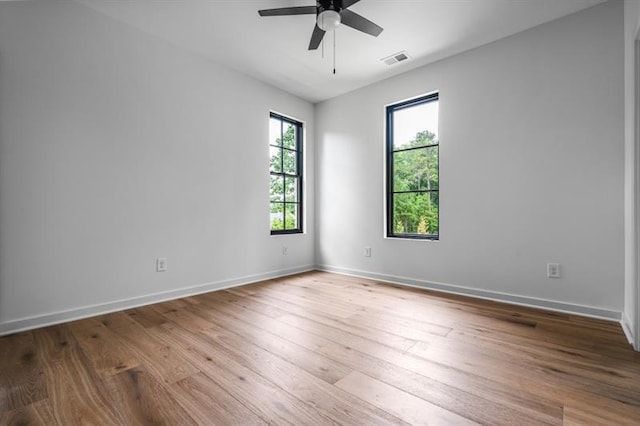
[
  {"x": 299, "y": 175},
  {"x": 390, "y": 109}
]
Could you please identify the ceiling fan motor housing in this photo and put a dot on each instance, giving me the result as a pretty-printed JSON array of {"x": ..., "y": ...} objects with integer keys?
[
  {"x": 328, "y": 18},
  {"x": 323, "y": 5}
]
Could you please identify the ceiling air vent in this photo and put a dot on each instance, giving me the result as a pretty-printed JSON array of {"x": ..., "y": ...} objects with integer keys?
[{"x": 395, "y": 58}]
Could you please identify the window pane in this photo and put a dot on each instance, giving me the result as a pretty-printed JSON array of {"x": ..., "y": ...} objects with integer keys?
[
  {"x": 285, "y": 175},
  {"x": 275, "y": 131},
  {"x": 416, "y": 125},
  {"x": 289, "y": 135},
  {"x": 277, "y": 216},
  {"x": 291, "y": 216},
  {"x": 416, "y": 169},
  {"x": 291, "y": 189},
  {"x": 290, "y": 162},
  {"x": 277, "y": 188},
  {"x": 415, "y": 213},
  {"x": 276, "y": 160}
]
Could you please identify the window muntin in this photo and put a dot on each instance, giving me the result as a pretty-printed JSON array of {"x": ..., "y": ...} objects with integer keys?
[
  {"x": 285, "y": 149},
  {"x": 413, "y": 176}
]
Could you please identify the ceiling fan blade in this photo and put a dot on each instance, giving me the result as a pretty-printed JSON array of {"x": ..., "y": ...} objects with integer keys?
[
  {"x": 316, "y": 37},
  {"x": 347, "y": 3},
  {"x": 360, "y": 23},
  {"x": 286, "y": 11}
]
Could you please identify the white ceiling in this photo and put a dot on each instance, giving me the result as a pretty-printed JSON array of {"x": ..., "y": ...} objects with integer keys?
[{"x": 274, "y": 49}]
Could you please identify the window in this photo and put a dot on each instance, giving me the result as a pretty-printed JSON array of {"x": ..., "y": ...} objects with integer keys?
[
  {"x": 413, "y": 169},
  {"x": 285, "y": 145}
]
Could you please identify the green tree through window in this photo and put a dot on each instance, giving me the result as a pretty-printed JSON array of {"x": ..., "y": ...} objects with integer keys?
[
  {"x": 413, "y": 169},
  {"x": 285, "y": 145}
]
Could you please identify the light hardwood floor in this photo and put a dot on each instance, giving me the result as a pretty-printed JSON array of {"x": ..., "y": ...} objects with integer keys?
[{"x": 320, "y": 348}]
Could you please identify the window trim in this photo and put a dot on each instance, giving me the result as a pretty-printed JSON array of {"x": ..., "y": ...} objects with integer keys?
[
  {"x": 299, "y": 175},
  {"x": 389, "y": 151}
]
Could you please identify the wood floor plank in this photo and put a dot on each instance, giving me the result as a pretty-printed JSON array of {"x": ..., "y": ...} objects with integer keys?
[
  {"x": 505, "y": 407},
  {"x": 546, "y": 381},
  {"x": 378, "y": 335},
  {"x": 163, "y": 361},
  {"x": 255, "y": 392},
  {"x": 21, "y": 373},
  {"x": 141, "y": 399},
  {"x": 212, "y": 300},
  {"x": 337, "y": 405},
  {"x": 314, "y": 363},
  {"x": 107, "y": 354},
  {"x": 370, "y": 292},
  {"x": 378, "y": 305},
  {"x": 76, "y": 394},
  {"x": 113, "y": 321},
  {"x": 18, "y": 350},
  {"x": 182, "y": 315},
  {"x": 54, "y": 343},
  {"x": 410, "y": 408},
  {"x": 36, "y": 414},
  {"x": 146, "y": 317},
  {"x": 340, "y": 310},
  {"x": 408, "y": 328},
  {"x": 589, "y": 409},
  {"x": 210, "y": 404},
  {"x": 616, "y": 374},
  {"x": 20, "y": 387},
  {"x": 322, "y": 348},
  {"x": 489, "y": 315}
]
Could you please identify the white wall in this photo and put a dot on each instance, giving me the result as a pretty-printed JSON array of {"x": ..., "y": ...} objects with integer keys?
[
  {"x": 117, "y": 148},
  {"x": 631, "y": 316},
  {"x": 532, "y": 160}
]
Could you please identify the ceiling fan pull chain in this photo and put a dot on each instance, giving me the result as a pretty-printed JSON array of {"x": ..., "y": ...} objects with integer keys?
[{"x": 334, "y": 52}]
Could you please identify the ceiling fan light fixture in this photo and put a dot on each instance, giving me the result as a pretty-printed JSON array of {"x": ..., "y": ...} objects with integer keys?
[{"x": 328, "y": 20}]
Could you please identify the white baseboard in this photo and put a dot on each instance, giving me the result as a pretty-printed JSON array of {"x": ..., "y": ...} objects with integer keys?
[
  {"x": 38, "y": 321},
  {"x": 627, "y": 327},
  {"x": 569, "y": 308}
]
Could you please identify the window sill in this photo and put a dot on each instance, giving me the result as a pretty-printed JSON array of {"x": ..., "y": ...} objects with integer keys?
[{"x": 429, "y": 240}]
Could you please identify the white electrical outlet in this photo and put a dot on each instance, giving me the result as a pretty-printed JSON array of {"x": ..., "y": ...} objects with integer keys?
[
  {"x": 553, "y": 270},
  {"x": 161, "y": 264},
  {"x": 367, "y": 252},
  {"x": 285, "y": 250}
]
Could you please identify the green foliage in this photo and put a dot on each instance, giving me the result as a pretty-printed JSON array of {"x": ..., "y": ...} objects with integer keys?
[
  {"x": 283, "y": 154},
  {"x": 278, "y": 224},
  {"x": 416, "y": 170},
  {"x": 280, "y": 211},
  {"x": 422, "y": 225}
]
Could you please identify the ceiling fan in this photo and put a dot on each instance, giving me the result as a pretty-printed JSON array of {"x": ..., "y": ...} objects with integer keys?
[{"x": 329, "y": 15}]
